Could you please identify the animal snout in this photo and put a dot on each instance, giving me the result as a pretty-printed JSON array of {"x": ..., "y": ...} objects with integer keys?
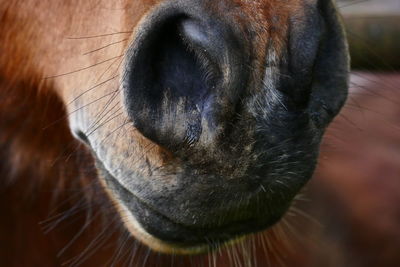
[{"x": 184, "y": 74}]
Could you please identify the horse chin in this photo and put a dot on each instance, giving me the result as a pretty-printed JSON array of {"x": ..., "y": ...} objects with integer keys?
[
  {"x": 139, "y": 233},
  {"x": 116, "y": 193}
]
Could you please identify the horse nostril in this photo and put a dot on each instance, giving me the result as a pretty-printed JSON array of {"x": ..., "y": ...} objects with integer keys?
[
  {"x": 180, "y": 70},
  {"x": 207, "y": 40},
  {"x": 195, "y": 32}
]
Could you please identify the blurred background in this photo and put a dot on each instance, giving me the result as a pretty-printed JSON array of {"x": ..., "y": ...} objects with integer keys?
[
  {"x": 355, "y": 194},
  {"x": 373, "y": 28}
]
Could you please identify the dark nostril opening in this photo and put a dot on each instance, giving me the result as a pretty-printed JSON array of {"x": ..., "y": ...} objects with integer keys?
[
  {"x": 195, "y": 32},
  {"x": 176, "y": 77},
  {"x": 179, "y": 70},
  {"x": 171, "y": 81}
]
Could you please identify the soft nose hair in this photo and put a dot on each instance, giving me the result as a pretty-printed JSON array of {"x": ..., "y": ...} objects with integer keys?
[{"x": 184, "y": 74}]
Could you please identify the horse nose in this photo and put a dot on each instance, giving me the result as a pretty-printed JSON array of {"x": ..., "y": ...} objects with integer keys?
[{"x": 184, "y": 74}]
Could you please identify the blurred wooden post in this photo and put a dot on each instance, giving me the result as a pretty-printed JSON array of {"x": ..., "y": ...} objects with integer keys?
[{"x": 373, "y": 29}]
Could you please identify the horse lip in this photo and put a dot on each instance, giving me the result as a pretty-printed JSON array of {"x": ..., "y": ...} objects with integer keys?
[
  {"x": 124, "y": 194},
  {"x": 182, "y": 235}
]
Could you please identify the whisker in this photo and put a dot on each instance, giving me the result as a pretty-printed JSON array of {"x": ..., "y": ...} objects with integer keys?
[
  {"x": 104, "y": 47},
  {"x": 91, "y": 88},
  {"x": 104, "y": 123},
  {"x": 82, "y": 69},
  {"x": 98, "y": 36},
  {"x": 102, "y": 113}
]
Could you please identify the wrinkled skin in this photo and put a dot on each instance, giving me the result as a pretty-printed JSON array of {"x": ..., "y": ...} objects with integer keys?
[{"x": 204, "y": 117}]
